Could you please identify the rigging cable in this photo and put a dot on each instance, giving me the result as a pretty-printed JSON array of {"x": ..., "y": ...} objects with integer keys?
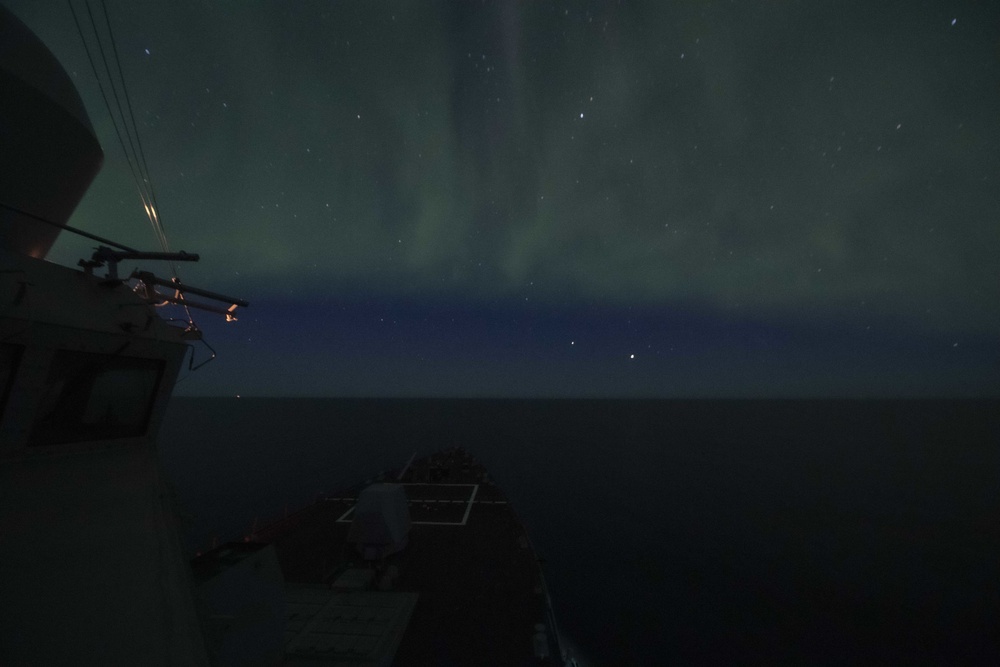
[
  {"x": 107, "y": 104},
  {"x": 141, "y": 161},
  {"x": 142, "y": 181},
  {"x": 136, "y": 158},
  {"x": 154, "y": 210}
]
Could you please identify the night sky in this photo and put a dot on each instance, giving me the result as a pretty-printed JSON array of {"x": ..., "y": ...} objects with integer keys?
[{"x": 610, "y": 199}]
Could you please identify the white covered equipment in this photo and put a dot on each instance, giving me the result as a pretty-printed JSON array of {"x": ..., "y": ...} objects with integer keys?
[{"x": 381, "y": 523}]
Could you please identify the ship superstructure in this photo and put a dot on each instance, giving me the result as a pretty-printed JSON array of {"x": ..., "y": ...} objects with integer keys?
[
  {"x": 91, "y": 564},
  {"x": 427, "y": 564}
]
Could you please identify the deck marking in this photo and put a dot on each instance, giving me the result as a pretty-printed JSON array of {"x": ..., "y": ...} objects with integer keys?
[
  {"x": 407, "y": 467},
  {"x": 468, "y": 507},
  {"x": 425, "y": 500},
  {"x": 433, "y": 484},
  {"x": 435, "y": 523},
  {"x": 465, "y": 518}
]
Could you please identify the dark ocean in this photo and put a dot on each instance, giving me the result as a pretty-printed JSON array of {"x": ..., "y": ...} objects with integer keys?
[{"x": 672, "y": 531}]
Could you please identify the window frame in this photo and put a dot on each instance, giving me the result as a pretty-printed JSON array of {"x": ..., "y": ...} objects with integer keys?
[{"x": 65, "y": 411}]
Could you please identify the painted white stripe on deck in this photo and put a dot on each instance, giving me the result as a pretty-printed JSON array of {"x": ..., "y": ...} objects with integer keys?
[
  {"x": 465, "y": 518},
  {"x": 402, "y": 474},
  {"x": 433, "y": 484},
  {"x": 425, "y": 501},
  {"x": 468, "y": 508},
  {"x": 435, "y": 523}
]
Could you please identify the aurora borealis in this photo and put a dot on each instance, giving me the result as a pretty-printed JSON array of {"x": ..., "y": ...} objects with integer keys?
[{"x": 568, "y": 199}]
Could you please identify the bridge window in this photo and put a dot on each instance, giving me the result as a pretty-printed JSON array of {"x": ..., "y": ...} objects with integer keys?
[{"x": 96, "y": 397}]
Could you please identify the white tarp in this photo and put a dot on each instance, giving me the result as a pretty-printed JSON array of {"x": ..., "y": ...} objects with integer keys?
[{"x": 381, "y": 521}]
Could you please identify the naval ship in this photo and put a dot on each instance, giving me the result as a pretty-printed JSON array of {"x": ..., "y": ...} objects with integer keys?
[{"x": 427, "y": 564}]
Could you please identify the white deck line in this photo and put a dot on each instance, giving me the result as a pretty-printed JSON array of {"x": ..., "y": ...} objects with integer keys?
[
  {"x": 468, "y": 508},
  {"x": 426, "y": 500},
  {"x": 433, "y": 484},
  {"x": 435, "y": 523},
  {"x": 344, "y": 519},
  {"x": 407, "y": 467}
]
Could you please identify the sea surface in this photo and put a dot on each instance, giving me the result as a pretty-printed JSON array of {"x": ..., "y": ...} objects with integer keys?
[{"x": 672, "y": 531}]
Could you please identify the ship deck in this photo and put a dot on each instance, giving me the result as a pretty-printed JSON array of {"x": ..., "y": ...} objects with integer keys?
[{"x": 481, "y": 598}]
